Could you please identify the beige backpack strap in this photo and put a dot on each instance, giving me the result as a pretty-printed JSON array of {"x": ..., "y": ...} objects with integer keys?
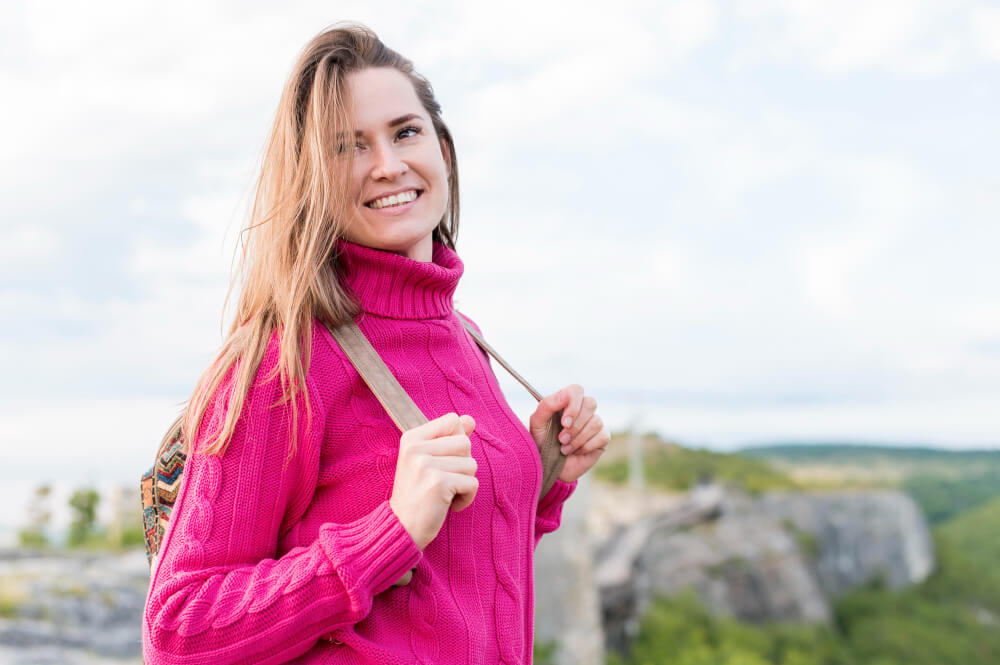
[
  {"x": 552, "y": 457},
  {"x": 397, "y": 403}
]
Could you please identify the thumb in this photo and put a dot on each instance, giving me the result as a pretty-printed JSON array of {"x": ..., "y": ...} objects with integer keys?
[{"x": 548, "y": 407}]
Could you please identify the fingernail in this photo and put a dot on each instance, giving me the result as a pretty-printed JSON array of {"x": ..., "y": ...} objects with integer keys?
[
  {"x": 566, "y": 449},
  {"x": 567, "y": 421},
  {"x": 564, "y": 437}
]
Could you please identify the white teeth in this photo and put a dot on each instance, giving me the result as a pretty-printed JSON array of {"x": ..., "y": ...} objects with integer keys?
[{"x": 395, "y": 199}]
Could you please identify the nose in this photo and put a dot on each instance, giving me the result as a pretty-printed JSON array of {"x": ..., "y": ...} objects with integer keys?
[{"x": 387, "y": 164}]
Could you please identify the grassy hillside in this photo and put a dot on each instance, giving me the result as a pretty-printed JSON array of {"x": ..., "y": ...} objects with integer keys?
[
  {"x": 975, "y": 535},
  {"x": 671, "y": 467},
  {"x": 943, "y": 496}
]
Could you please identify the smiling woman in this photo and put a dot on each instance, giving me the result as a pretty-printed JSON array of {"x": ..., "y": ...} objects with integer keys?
[{"x": 302, "y": 511}]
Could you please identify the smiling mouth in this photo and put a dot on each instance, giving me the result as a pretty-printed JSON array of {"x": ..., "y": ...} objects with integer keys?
[{"x": 395, "y": 200}]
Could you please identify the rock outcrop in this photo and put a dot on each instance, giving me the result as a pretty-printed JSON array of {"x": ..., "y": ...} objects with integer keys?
[
  {"x": 779, "y": 557},
  {"x": 857, "y": 537}
]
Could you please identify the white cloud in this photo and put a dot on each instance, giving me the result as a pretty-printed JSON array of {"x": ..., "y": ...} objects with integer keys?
[
  {"x": 909, "y": 38},
  {"x": 24, "y": 244},
  {"x": 880, "y": 197},
  {"x": 985, "y": 23}
]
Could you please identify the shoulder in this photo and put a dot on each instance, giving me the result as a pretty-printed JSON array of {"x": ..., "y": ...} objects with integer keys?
[
  {"x": 325, "y": 366},
  {"x": 331, "y": 372}
]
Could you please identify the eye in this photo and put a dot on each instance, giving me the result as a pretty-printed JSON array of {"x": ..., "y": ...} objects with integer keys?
[
  {"x": 342, "y": 148},
  {"x": 415, "y": 130}
]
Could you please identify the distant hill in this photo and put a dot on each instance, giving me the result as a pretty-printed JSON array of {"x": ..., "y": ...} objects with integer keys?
[{"x": 848, "y": 453}]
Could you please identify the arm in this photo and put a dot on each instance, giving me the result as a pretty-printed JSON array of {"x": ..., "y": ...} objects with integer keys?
[
  {"x": 219, "y": 593},
  {"x": 550, "y": 508}
]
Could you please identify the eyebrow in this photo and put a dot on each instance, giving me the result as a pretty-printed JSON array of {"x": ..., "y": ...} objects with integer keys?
[{"x": 398, "y": 121}]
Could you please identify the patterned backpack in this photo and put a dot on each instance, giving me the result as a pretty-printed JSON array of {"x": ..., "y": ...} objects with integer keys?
[
  {"x": 159, "y": 487},
  {"x": 161, "y": 483}
]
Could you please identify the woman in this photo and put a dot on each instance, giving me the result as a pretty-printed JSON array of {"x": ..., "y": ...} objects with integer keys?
[{"x": 301, "y": 504}]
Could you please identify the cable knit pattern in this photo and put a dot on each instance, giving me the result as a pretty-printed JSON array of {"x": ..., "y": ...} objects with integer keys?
[{"x": 268, "y": 563}]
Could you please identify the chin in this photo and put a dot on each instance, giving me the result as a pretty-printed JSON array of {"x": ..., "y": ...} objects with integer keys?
[{"x": 402, "y": 243}]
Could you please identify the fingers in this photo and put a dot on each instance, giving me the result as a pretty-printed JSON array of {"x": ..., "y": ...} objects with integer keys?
[
  {"x": 466, "y": 488},
  {"x": 581, "y": 437},
  {"x": 449, "y": 427},
  {"x": 577, "y": 424},
  {"x": 454, "y": 445},
  {"x": 464, "y": 465},
  {"x": 572, "y": 411},
  {"x": 435, "y": 471},
  {"x": 449, "y": 423},
  {"x": 591, "y": 439},
  {"x": 586, "y": 432}
]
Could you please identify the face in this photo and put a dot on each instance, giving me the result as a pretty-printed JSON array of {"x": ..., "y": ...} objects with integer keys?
[{"x": 397, "y": 152}]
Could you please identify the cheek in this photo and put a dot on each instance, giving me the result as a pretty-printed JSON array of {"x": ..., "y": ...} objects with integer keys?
[
  {"x": 355, "y": 189},
  {"x": 441, "y": 173}
]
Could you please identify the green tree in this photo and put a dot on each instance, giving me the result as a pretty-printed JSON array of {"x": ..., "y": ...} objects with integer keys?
[{"x": 83, "y": 525}]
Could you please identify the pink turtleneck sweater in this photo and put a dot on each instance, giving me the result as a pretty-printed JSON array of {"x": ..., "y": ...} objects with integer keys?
[{"x": 268, "y": 563}]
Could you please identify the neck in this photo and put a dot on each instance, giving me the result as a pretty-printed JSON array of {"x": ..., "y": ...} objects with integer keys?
[{"x": 423, "y": 251}]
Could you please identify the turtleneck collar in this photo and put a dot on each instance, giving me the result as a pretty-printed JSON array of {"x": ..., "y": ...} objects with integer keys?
[{"x": 394, "y": 286}]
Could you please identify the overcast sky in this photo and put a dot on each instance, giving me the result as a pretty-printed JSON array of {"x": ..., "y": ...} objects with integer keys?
[{"x": 732, "y": 222}]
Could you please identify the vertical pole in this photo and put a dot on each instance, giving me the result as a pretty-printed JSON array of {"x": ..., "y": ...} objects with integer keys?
[{"x": 115, "y": 525}]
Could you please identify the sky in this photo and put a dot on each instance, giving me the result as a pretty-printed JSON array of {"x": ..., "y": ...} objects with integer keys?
[{"x": 731, "y": 222}]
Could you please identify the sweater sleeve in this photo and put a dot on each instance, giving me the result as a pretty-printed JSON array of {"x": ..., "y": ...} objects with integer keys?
[
  {"x": 550, "y": 507},
  {"x": 219, "y": 592}
]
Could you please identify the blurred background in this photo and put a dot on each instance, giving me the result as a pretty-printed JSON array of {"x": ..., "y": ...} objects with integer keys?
[{"x": 761, "y": 233}]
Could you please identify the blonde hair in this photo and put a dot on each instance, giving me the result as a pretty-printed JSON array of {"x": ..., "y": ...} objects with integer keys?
[{"x": 301, "y": 204}]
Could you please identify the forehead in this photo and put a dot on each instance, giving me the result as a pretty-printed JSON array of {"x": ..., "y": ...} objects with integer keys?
[{"x": 379, "y": 94}]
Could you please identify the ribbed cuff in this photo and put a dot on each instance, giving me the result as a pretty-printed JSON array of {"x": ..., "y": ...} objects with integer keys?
[
  {"x": 555, "y": 497},
  {"x": 372, "y": 552}
]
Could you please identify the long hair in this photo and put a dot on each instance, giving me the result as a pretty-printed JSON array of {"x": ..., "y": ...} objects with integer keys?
[{"x": 288, "y": 268}]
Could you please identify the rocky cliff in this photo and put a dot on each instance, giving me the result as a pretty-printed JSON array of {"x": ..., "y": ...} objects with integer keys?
[{"x": 782, "y": 556}]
